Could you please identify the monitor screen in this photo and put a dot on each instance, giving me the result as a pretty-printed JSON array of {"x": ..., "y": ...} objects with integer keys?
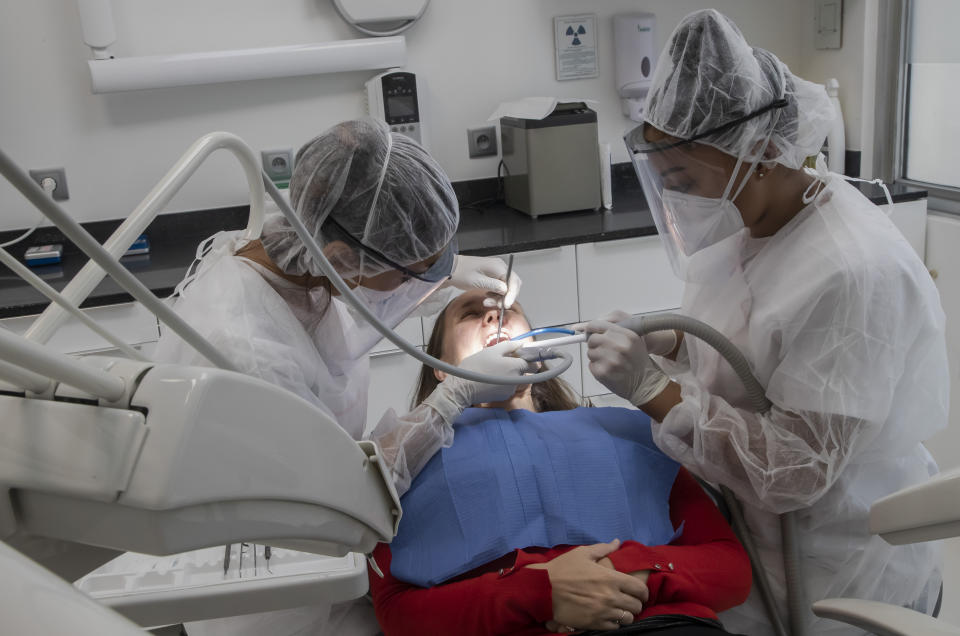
[{"x": 401, "y": 106}]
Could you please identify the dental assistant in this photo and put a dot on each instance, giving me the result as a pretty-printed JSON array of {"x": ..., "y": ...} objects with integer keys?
[
  {"x": 385, "y": 215},
  {"x": 836, "y": 314}
]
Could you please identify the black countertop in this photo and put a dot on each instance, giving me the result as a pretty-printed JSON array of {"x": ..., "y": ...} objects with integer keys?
[{"x": 484, "y": 230}]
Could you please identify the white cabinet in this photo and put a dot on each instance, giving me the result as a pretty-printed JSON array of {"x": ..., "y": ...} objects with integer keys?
[
  {"x": 393, "y": 379},
  {"x": 943, "y": 259},
  {"x": 549, "y": 292},
  {"x": 632, "y": 274},
  {"x": 130, "y": 322},
  {"x": 910, "y": 217}
]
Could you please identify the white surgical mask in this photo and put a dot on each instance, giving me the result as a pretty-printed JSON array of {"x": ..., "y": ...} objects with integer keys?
[{"x": 699, "y": 222}]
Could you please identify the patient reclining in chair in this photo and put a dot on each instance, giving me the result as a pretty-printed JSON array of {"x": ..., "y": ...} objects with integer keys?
[{"x": 544, "y": 516}]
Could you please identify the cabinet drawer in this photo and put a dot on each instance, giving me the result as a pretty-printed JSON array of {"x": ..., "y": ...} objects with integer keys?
[
  {"x": 633, "y": 275},
  {"x": 549, "y": 292},
  {"x": 130, "y": 322}
]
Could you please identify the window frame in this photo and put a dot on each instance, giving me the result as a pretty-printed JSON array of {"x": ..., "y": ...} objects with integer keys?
[{"x": 893, "y": 82}]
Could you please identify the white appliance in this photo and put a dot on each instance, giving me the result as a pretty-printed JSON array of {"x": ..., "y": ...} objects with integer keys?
[
  {"x": 394, "y": 98},
  {"x": 381, "y": 17},
  {"x": 634, "y": 55}
]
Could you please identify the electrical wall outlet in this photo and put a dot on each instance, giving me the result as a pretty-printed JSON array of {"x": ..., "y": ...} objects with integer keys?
[
  {"x": 482, "y": 142},
  {"x": 60, "y": 193},
  {"x": 278, "y": 164}
]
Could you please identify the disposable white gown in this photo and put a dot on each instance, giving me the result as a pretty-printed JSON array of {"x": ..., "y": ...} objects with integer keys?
[
  {"x": 843, "y": 325},
  {"x": 278, "y": 331}
]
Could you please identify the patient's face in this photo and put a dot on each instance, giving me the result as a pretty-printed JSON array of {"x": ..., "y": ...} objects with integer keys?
[{"x": 470, "y": 326}]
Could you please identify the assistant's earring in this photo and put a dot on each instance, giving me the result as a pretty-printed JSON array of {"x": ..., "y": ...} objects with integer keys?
[{"x": 761, "y": 173}]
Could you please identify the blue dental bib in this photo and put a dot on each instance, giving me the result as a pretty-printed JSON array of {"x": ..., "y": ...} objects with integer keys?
[{"x": 516, "y": 479}]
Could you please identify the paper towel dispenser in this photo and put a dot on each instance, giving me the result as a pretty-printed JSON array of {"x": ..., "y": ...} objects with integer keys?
[{"x": 634, "y": 58}]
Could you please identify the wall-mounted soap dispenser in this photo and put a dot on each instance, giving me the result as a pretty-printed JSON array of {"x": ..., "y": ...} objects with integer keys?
[{"x": 635, "y": 54}]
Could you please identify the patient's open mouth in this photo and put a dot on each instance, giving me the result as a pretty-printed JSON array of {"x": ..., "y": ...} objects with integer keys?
[{"x": 492, "y": 339}]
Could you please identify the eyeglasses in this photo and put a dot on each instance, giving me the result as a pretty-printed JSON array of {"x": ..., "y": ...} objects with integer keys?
[
  {"x": 438, "y": 271},
  {"x": 638, "y": 145}
]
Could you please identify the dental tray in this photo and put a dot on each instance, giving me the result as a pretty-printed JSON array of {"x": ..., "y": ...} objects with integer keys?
[{"x": 153, "y": 591}]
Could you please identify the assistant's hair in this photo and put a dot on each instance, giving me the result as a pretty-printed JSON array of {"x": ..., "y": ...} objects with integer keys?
[{"x": 552, "y": 395}]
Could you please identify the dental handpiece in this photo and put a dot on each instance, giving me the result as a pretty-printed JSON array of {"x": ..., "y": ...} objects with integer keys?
[
  {"x": 543, "y": 350},
  {"x": 555, "y": 342}
]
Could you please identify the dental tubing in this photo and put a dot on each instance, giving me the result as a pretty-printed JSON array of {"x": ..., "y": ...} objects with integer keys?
[{"x": 797, "y": 608}]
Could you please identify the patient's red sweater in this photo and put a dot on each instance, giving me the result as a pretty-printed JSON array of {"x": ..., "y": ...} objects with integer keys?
[{"x": 703, "y": 572}]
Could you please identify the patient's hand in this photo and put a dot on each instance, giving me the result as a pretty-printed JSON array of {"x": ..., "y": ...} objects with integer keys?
[
  {"x": 589, "y": 595},
  {"x": 640, "y": 575}
]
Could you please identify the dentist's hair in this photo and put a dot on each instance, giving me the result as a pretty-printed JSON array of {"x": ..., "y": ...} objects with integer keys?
[{"x": 552, "y": 395}]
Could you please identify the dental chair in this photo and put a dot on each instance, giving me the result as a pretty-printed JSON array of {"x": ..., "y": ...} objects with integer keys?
[
  {"x": 925, "y": 512},
  {"x": 109, "y": 456}
]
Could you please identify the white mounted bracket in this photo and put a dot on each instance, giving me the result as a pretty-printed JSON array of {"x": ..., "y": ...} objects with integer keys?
[{"x": 110, "y": 74}]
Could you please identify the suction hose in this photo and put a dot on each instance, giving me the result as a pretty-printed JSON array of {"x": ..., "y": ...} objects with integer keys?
[
  {"x": 796, "y": 602},
  {"x": 347, "y": 295}
]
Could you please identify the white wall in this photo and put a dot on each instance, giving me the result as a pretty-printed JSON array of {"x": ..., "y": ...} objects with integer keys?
[
  {"x": 853, "y": 64},
  {"x": 472, "y": 56}
]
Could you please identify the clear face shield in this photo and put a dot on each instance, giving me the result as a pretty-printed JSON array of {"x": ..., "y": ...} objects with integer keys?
[
  {"x": 394, "y": 294},
  {"x": 690, "y": 188},
  {"x": 390, "y": 290}
]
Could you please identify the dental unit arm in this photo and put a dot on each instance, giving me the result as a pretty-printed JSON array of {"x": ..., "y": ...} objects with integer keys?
[
  {"x": 102, "y": 455},
  {"x": 925, "y": 512},
  {"x": 183, "y": 460}
]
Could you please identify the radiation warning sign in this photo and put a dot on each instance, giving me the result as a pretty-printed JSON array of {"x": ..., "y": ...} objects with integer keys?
[{"x": 576, "y": 40}]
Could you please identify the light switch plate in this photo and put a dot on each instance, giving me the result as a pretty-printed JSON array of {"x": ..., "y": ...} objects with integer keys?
[{"x": 828, "y": 24}]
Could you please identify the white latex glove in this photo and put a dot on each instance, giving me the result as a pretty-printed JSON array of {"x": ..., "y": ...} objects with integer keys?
[
  {"x": 485, "y": 272},
  {"x": 620, "y": 360},
  {"x": 658, "y": 343},
  {"x": 455, "y": 394}
]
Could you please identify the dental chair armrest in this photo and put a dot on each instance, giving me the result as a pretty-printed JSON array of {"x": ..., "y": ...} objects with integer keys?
[
  {"x": 923, "y": 512},
  {"x": 882, "y": 619}
]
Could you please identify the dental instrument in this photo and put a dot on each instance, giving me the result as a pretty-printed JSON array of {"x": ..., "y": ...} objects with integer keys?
[
  {"x": 554, "y": 342},
  {"x": 537, "y": 332},
  {"x": 500, "y": 319}
]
